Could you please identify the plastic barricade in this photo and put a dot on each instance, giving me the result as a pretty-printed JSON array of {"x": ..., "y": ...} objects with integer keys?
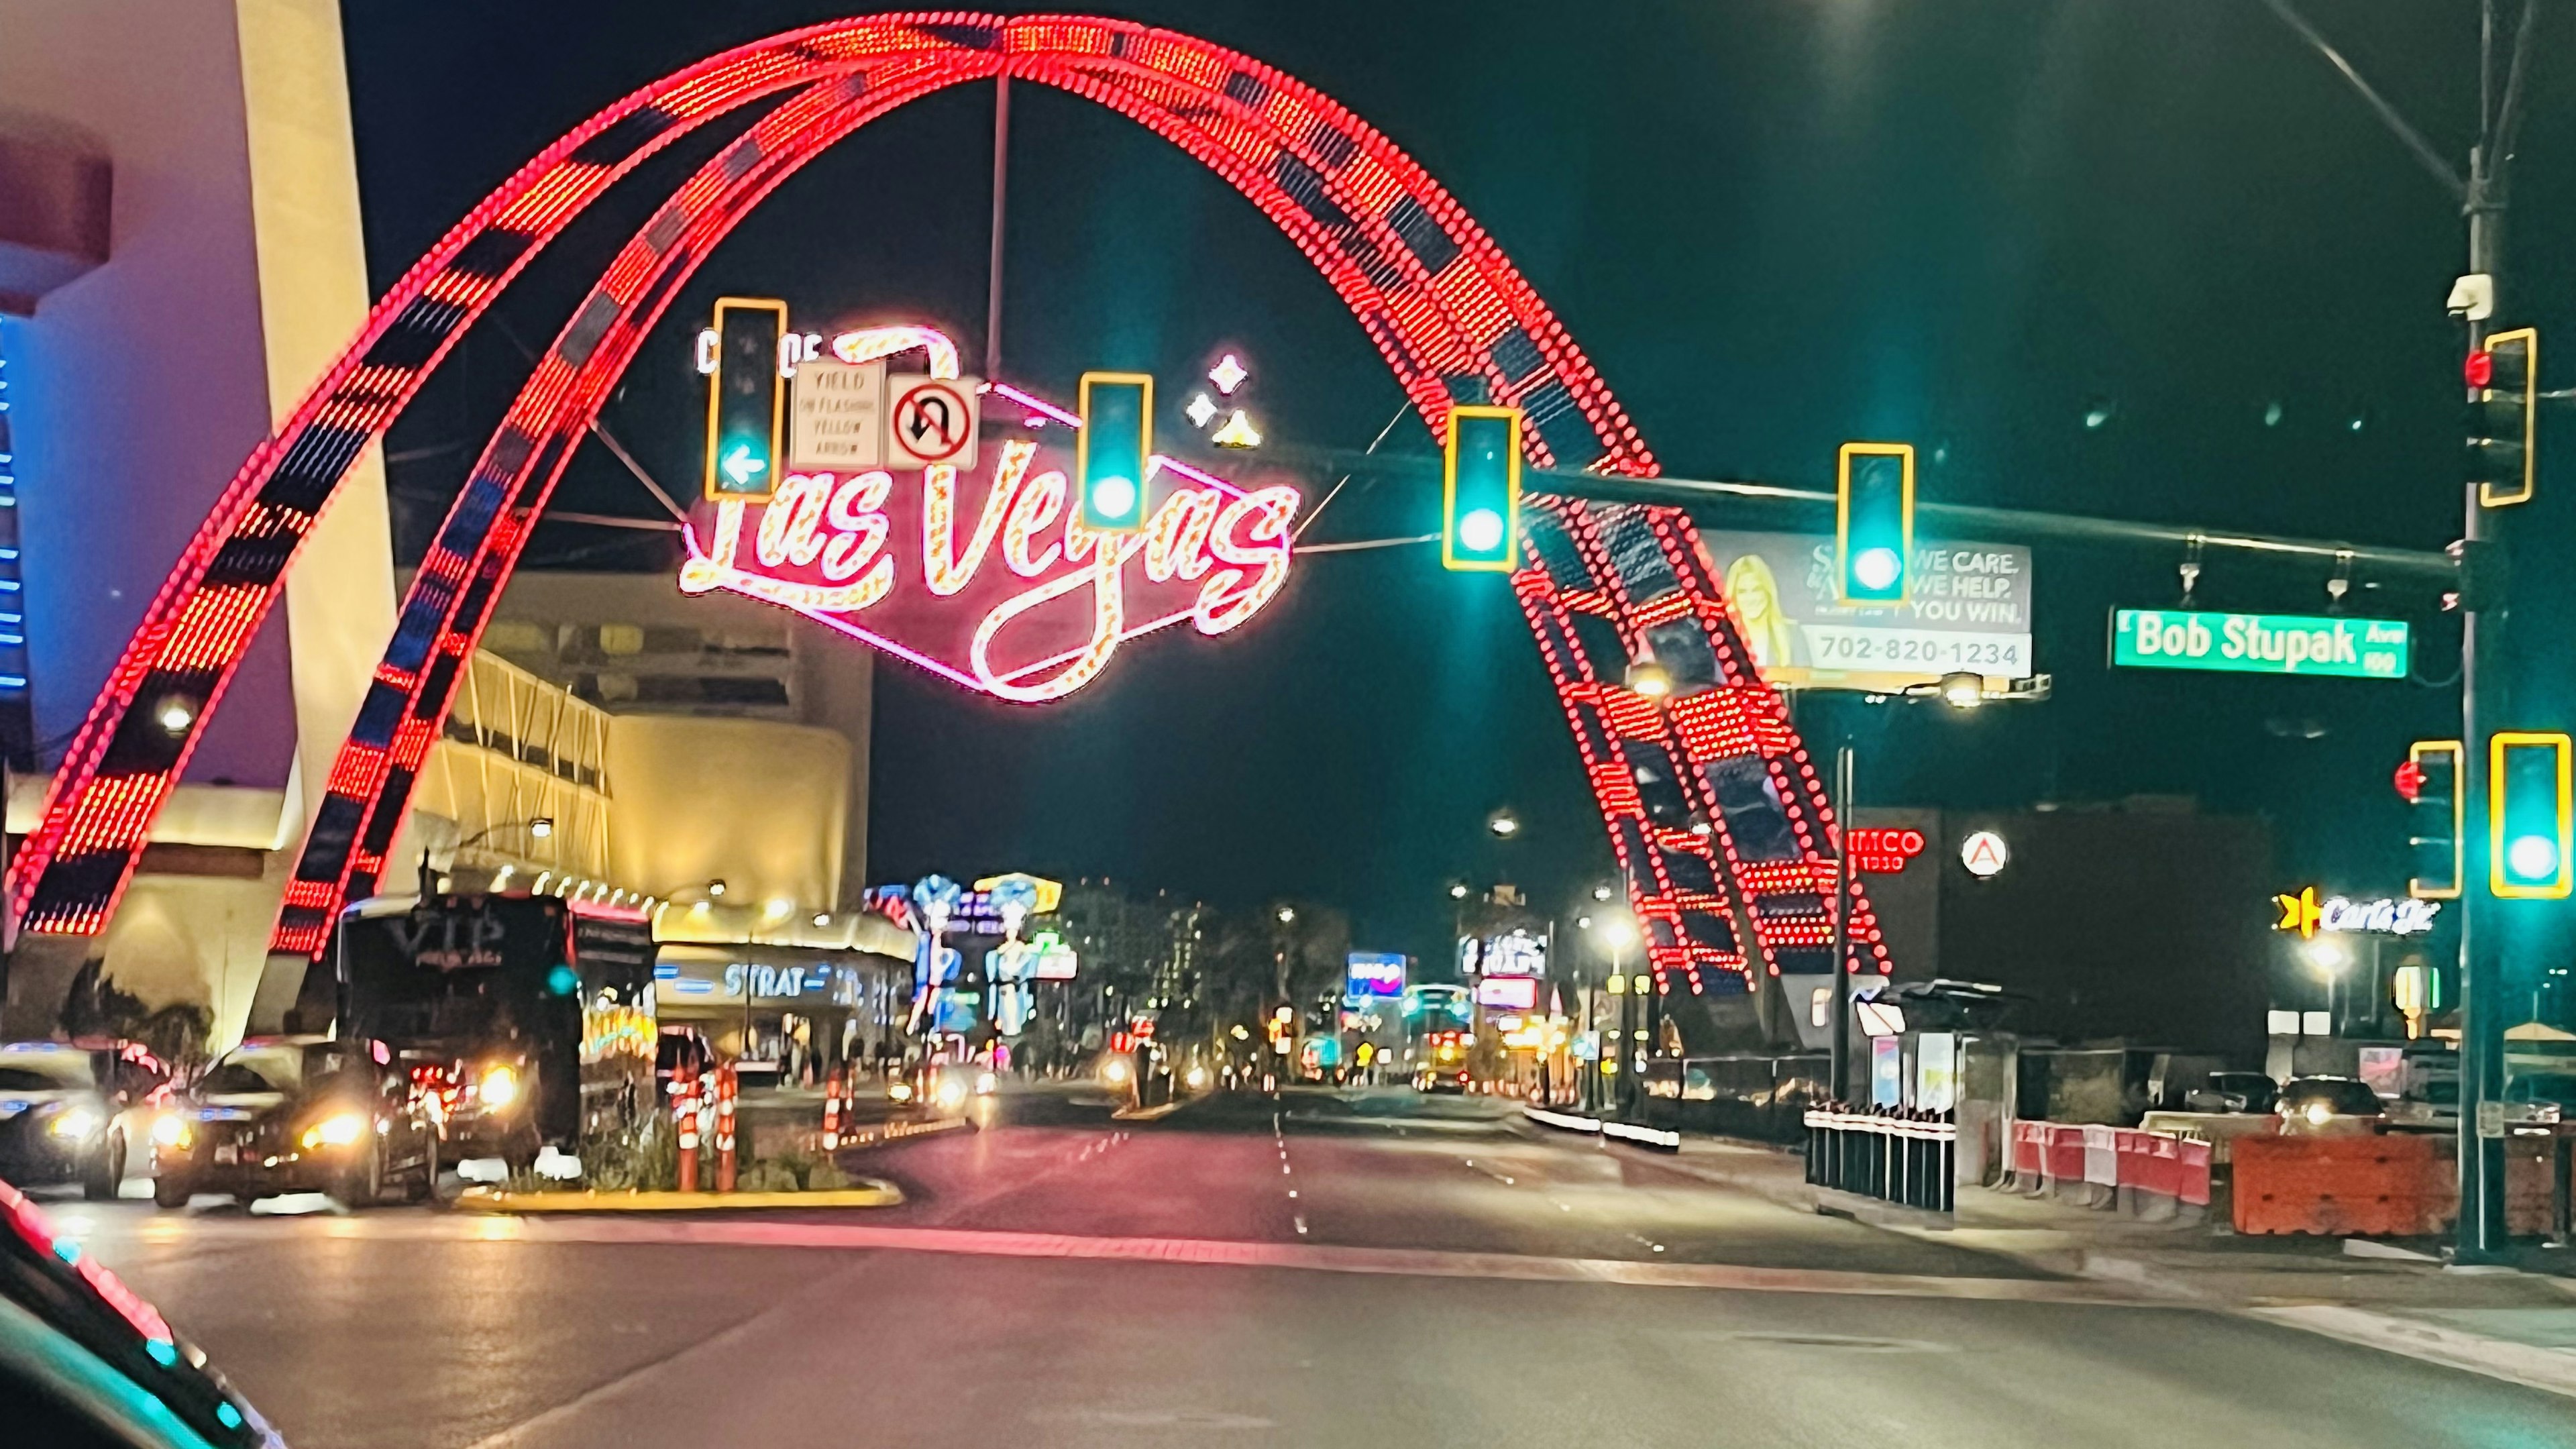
[
  {"x": 2399, "y": 1185},
  {"x": 2062, "y": 1158},
  {"x": 2026, "y": 1162},
  {"x": 2101, "y": 1165},
  {"x": 2192, "y": 1162}
]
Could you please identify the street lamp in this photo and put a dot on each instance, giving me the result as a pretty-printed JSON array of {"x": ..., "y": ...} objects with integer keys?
[
  {"x": 1287, "y": 914},
  {"x": 539, "y": 827},
  {"x": 1458, "y": 890},
  {"x": 1649, "y": 680},
  {"x": 1602, "y": 892},
  {"x": 1504, "y": 824}
]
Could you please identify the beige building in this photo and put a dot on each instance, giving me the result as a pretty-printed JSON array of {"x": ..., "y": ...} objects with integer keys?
[
  {"x": 634, "y": 646},
  {"x": 729, "y": 832}
]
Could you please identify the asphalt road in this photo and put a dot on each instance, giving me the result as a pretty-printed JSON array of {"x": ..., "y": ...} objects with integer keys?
[{"x": 1315, "y": 1269}]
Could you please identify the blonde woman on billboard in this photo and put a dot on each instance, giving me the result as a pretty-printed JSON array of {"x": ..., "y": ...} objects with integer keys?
[{"x": 1768, "y": 630}]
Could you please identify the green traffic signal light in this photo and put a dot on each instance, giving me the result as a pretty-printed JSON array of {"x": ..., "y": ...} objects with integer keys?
[
  {"x": 2530, "y": 830},
  {"x": 747, "y": 402},
  {"x": 1480, "y": 509},
  {"x": 1113, "y": 451},
  {"x": 1874, "y": 521}
]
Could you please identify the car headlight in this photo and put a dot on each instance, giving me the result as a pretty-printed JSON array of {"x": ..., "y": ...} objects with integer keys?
[
  {"x": 171, "y": 1130},
  {"x": 1198, "y": 1076},
  {"x": 952, "y": 1092},
  {"x": 2319, "y": 1114},
  {"x": 500, "y": 1087},
  {"x": 1114, "y": 1070},
  {"x": 73, "y": 1122},
  {"x": 984, "y": 1084},
  {"x": 900, "y": 1091},
  {"x": 338, "y": 1130}
]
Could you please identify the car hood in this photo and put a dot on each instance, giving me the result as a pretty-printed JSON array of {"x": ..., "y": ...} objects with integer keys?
[
  {"x": 13, "y": 1103},
  {"x": 233, "y": 1106}
]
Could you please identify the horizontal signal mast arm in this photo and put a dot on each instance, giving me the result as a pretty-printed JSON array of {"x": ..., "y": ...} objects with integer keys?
[{"x": 2000, "y": 524}]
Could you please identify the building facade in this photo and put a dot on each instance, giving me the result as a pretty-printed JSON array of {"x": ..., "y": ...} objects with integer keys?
[{"x": 180, "y": 257}]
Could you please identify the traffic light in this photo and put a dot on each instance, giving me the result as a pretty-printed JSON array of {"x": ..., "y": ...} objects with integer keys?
[
  {"x": 1874, "y": 521},
  {"x": 2530, "y": 833},
  {"x": 2503, "y": 418},
  {"x": 1480, "y": 490},
  {"x": 1110, "y": 453},
  {"x": 2436, "y": 823},
  {"x": 747, "y": 401}
]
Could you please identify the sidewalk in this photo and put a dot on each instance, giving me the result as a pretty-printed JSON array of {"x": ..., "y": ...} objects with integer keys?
[{"x": 2508, "y": 1324}]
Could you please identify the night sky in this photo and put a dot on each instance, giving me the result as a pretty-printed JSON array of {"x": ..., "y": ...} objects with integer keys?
[{"x": 1773, "y": 226}]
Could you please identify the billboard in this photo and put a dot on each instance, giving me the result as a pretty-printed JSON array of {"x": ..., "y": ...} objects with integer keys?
[
  {"x": 1967, "y": 608},
  {"x": 1508, "y": 993},
  {"x": 1374, "y": 974},
  {"x": 1517, "y": 953}
]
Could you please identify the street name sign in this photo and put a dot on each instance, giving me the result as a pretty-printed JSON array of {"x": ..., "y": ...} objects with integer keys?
[{"x": 2259, "y": 643}]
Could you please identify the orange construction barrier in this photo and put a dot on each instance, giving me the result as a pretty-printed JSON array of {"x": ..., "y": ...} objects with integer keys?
[
  {"x": 2397, "y": 1185},
  {"x": 726, "y": 1086},
  {"x": 684, "y": 1108},
  {"x": 832, "y": 1110}
]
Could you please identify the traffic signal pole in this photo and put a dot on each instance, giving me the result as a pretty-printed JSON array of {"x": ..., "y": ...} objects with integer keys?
[
  {"x": 1838, "y": 1009},
  {"x": 2480, "y": 1234}
]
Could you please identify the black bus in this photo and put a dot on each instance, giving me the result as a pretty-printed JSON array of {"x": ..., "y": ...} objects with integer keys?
[{"x": 527, "y": 1021}]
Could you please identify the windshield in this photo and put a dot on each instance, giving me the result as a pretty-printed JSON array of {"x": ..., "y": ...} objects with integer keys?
[
  {"x": 256, "y": 1069},
  {"x": 2337, "y": 1096},
  {"x": 46, "y": 1072}
]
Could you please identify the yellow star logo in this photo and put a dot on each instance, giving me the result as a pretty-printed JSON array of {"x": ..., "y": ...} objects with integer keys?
[{"x": 2299, "y": 913}]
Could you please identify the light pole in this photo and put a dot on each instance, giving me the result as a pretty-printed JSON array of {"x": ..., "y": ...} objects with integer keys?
[{"x": 1618, "y": 934}]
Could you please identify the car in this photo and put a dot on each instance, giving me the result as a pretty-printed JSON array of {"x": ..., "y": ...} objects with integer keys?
[
  {"x": 946, "y": 1086},
  {"x": 2329, "y": 1107},
  {"x": 89, "y": 1365},
  {"x": 1431, "y": 1081},
  {"x": 70, "y": 1113},
  {"x": 298, "y": 1114},
  {"x": 2233, "y": 1092}
]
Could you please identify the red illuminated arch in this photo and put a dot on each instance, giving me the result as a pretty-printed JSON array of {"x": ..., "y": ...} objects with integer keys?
[{"x": 1731, "y": 831}]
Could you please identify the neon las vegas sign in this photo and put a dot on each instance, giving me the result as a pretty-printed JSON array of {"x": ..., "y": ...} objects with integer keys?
[{"x": 984, "y": 575}]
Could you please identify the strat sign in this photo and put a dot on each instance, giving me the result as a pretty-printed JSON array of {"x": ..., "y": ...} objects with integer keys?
[{"x": 982, "y": 573}]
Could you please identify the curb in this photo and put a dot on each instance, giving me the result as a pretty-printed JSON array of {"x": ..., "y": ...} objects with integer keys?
[
  {"x": 1150, "y": 1114},
  {"x": 897, "y": 1131},
  {"x": 875, "y": 1194},
  {"x": 2551, "y": 1370},
  {"x": 1655, "y": 1137}
]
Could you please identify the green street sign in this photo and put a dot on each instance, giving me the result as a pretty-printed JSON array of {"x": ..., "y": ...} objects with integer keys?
[{"x": 2259, "y": 643}]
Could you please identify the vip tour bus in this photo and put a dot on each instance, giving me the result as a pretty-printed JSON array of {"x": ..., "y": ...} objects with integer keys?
[{"x": 526, "y": 1022}]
